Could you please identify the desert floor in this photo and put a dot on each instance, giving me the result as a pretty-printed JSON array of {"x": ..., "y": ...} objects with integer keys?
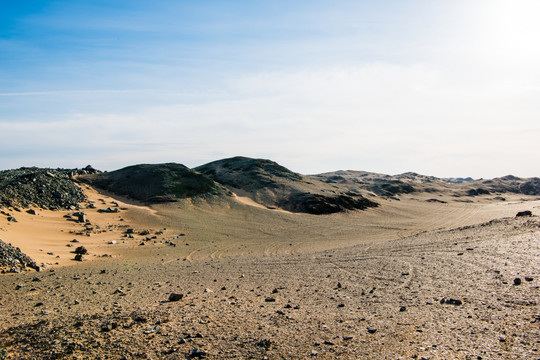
[{"x": 411, "y": 279}]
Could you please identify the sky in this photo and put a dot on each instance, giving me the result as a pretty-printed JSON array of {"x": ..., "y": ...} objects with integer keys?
[{"x": 447, "y": 88}]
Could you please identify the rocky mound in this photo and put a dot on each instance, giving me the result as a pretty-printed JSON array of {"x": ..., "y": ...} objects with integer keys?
[
  {"x": 379, "y": 184},
  {"x": 530, "y": 187},
  {"x": 13, "y": 260},
  {"x": 392, "y": 185},
  {"x": 273, "y": 185},
  {"x": 157, "y": 183},
  {"x": 43, "y": 188}
]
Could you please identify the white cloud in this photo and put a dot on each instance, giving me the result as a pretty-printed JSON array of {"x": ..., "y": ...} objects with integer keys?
[{"x": 378, "y": 117}]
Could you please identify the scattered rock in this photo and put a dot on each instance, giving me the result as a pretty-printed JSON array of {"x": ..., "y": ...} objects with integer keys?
[
  {"x": 78, "y": 257},
  {"x": 197, "y": 353},
  {"x": 81, "y": 250},
  {"x": 14, "y": 259},
  {"x": 455, "y": 302},
  {"x": 528, "y": 278},
  {"x": 175, "y": 297},
  {"x": 517, "y": 281},
  {"x": 524, "y": 213},
  {"x": 371, "y": 330}
]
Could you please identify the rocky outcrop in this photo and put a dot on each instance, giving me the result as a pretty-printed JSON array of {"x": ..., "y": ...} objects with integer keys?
[
  {"x": 275, "y": 186},
  {"x": 44, "y": 188},
  {"x": 13, "y": 260},
  {"x": 530, "y": 187},
  {"x": 157, "y": 183}
]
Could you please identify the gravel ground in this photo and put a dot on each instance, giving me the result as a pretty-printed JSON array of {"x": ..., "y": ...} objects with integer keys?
[{"x": 468, "y": 293}]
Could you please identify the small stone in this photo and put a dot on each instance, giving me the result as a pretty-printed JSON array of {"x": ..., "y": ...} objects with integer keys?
[
  {"x": 455, "y": 302},
  {"x": 175, "y": 297},
  {"x": 348, "y": 338},
  {"x": 74, "y": 241},
  {"x": 371, "y": 330},
  {"x": 81, "y": 250},
  {"x": 528, "y": 278},
  {"x": 197, "y": 353},
  {"x": 270, "y": 299},
  {"x": 78, "y": 257},
  {"x": 402, "y": 309},
  {"x": 517, "y": 281}
]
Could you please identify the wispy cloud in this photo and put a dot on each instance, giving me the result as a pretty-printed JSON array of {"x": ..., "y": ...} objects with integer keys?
[{"x": 415, "y": 86}]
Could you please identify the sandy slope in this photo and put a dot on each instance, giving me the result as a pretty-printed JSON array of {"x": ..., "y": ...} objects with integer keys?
[{"x": 331, "y": 278}]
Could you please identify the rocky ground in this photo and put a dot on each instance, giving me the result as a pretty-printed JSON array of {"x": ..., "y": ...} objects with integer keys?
[
  {"x": 13, "y": 260},
  {"x": 467, "y": 293}
]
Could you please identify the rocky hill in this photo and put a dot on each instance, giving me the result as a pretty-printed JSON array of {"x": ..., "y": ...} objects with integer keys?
[
  {"x": 275, "y": 186},
  {"x": 393, "y": 185},
  {"x": 157, "y": 183},
  {"x": 44, "y": 188}
]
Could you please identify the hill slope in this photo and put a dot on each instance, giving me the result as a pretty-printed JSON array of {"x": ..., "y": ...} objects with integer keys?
[
  {"x": 157, "y": 183},
  {"x": 45, "y": 188},
  {"x": 273, "y": 185},
  {"x": 392, "y": 185}
]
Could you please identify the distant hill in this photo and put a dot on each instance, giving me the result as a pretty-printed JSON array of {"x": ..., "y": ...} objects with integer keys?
[
  {"x": 393, "y": 185},
  {"x": 264, "y": 181},
  {"x": 379, "y": 184},
  {"x": 157, "y": 183},
  {"x": 275, "y": 186}
]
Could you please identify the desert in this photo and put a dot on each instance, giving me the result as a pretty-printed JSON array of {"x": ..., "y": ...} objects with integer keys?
[{"x": 245, "y": 259}]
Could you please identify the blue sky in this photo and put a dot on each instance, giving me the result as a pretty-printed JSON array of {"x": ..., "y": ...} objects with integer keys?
[{"x": 445, "y": 88}]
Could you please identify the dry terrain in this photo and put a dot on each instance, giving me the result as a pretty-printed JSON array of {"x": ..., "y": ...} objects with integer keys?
[{"x": 414, "y": 278}]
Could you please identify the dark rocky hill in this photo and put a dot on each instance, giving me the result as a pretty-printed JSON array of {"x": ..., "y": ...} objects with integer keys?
[
  {"x": 275, "y": 186},
  {"x": 157, "y": 183},
  {"x": 44, "y": 188}
]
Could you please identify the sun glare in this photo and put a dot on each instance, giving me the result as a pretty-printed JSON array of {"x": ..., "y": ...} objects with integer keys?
[{"x": 507, "y": 31}]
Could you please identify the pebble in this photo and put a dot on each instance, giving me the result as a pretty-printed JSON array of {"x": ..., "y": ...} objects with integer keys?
[
  {"x": 371, "y": 330},
  {"x": 175, "y": 297},
  {"x": 517, "y": 281}
]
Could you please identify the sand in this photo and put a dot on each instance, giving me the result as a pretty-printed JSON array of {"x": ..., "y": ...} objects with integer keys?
[{"x": 263, "y": 284}]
